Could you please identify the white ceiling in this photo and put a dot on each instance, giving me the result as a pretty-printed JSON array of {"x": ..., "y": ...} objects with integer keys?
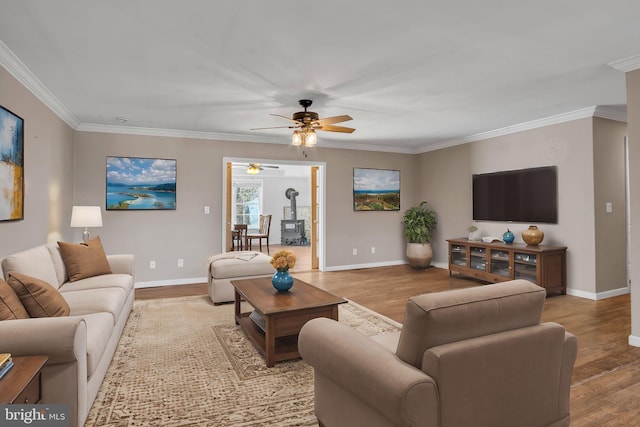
[{"x": 413, "y": 74}]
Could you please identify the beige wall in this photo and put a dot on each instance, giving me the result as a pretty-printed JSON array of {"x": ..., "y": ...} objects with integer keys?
[
  {"x": 165, "y": 236},
  {"x": 48, "y": 166},
  {"x": 610, "y": 187},
  {"x": 633, "y": 117},
  {"x": 446, "y": 183}
]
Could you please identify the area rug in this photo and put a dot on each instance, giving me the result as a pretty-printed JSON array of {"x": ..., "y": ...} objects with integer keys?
[{"x": 183, "y": 362}]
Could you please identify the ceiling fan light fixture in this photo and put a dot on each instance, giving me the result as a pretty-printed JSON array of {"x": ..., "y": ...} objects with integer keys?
[
  {"x": 252, "y": 170},
  {"x": 310, "y": 138},
  {"x": 296, "y": 139}
]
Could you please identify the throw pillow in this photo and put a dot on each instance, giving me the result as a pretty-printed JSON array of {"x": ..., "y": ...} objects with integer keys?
[
  {"x": 85, "y": 259},
  {"x": 39, "y": 298},
  {"x": 10, "y": 306}
]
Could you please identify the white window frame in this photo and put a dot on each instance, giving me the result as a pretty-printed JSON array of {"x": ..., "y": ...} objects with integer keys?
[{"x": 253, "y": 217}]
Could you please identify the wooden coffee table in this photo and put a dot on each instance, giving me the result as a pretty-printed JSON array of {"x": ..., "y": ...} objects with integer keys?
[{"x": 279, "y": 316}]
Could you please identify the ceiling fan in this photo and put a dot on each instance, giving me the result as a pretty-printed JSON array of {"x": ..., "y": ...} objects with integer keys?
[
  {"x": 307, "y": 122},
  {"x": 255, "y": 168}
]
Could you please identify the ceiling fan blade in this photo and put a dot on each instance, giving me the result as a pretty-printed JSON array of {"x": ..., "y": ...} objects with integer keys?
[
  {"x": 288, "y": 118},
  {"x": 331, "y": 128},
  {"x": 276, "y": 127},
  {"x": 272, "y": 167},
  {"x": 331, "y": 120}
]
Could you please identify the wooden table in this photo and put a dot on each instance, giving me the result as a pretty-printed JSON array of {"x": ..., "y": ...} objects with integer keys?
[
  {"x": 281, "y": 314},
  {"x": 21, "y": 384}
]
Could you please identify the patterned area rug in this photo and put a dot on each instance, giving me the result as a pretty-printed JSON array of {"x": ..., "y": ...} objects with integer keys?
[{"x": 183, "y": 362}]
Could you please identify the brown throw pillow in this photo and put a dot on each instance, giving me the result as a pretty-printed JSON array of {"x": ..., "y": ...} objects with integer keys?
[
  {"x": 10, "y": 306},
  {"x": 39, "y": 298},
  {"x": 84, "y": 259}
]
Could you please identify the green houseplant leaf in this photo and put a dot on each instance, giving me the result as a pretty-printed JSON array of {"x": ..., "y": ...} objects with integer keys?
[{"x": 419, "y": 222}]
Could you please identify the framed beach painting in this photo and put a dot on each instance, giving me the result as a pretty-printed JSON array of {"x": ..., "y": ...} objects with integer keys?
[
  {"x": 136, "y": 183},
  {"x": 11, "y": 166},
  {"x": 376, "y": 190}
]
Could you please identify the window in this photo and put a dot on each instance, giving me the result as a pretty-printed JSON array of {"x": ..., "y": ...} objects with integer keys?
[{"x": 247, "y": 203}]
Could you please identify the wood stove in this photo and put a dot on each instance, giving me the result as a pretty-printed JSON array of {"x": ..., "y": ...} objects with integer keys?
[{"x": 292, "y": 230}]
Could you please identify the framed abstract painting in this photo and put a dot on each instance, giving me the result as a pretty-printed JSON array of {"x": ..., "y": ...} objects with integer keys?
[
  {"x": 376, "y": 190},
  {"x": 136, "y": 183},
  {"x": 11, "y": 166}
]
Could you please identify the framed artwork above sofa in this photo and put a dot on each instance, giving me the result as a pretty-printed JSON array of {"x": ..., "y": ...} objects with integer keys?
[{"x": 11, "y": 166}]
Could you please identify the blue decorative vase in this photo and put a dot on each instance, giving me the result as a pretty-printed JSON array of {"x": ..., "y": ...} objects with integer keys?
[
  {"x": 508, "y": 236},
  {"x": 282, "y": 280}
]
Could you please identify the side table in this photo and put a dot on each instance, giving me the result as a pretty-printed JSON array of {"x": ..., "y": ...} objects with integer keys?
[{"x": 21, "y": 384}]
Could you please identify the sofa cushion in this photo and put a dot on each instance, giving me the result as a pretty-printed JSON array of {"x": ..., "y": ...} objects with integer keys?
[
  {"x": 58, "y": 263},
  {"x": 443, "y": 317},
  {"x": 122, "y": 281},
  {"x": 36, "y": 262},
  {"x": 239, "y": 264},
  {"x": 107, "y": 300},
  {"x": 99, "y": 330},
  {"x": 38, "y": 297},
  {"x": 10, "y": 306},
  {"x": 83, "y": 260}
]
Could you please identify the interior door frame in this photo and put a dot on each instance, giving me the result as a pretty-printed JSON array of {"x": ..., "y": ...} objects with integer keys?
[{"x": 225, "y": 210}]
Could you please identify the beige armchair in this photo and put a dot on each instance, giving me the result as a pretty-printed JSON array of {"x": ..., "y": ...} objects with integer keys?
[{"x": 475, "y": 357}]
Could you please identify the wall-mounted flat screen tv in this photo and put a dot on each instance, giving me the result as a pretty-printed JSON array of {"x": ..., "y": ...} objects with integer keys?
[{"x": 525, "y": 195}]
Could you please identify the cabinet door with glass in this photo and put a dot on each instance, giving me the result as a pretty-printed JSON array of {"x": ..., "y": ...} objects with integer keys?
[
  {"x": 478, "y": 258},
  {"x": 500, "y": 263},
  {"x": 525, "y": 266},
  {"x": 458, "y": 254}
]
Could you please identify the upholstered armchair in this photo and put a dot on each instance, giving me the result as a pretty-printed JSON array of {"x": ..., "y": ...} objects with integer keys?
[{"x": 475, "y": 357}]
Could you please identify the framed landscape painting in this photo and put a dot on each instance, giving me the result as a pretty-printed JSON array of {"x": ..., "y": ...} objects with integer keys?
[
  {"x": 376, "y": 190},
  {"x": 11, "y": 166},
  {"x": 136, "y": 183}
]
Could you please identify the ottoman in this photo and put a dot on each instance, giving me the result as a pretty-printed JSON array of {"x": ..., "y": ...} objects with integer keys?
[{"x": 228, "y": 266}]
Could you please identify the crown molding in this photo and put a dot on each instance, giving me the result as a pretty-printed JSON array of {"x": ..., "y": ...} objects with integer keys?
[
  {"x": 173, "y": 133},
  {"x": 533, "y": 124},
  {"x": 617, "y": 113},
  {"x": 176, "y": 133},
  {"x": 20, "y": 72},
  {"x": 626, "y": 64}
]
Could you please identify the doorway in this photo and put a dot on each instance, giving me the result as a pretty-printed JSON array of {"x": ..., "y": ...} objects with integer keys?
[{"x": 271, "y": 184}]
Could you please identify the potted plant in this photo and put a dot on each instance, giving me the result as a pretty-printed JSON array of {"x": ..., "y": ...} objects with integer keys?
[{"x": 419, "y": 222}]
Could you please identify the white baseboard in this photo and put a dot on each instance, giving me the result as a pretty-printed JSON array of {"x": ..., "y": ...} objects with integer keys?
[
  {"x": 599, "y": 295},
  {"x": 634, "y": 340},
  {"x": 369, "y": 265},
  {"x": 170, "y": 282}
]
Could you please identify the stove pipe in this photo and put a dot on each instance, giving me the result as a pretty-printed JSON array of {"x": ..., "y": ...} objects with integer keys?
[{"x": 291, "y": 194}]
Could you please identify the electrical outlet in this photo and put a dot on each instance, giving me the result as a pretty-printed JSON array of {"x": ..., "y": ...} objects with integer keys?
[
  {"x": 180, "y": 263},
  {"x": 373, "y": 249},
  {"x": 355, "y": 251},
  {"x": 152, "y": 264}
]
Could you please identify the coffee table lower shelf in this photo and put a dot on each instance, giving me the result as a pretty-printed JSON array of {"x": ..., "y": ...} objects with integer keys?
[{"x": 285, "y": 348}]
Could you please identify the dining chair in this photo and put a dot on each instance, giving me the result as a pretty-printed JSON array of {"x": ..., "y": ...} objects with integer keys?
[
  {"x": 263, "y": 233},
  {"x": 239, "y": 235}
]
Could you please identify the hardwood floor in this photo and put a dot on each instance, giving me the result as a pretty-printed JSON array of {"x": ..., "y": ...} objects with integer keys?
[{"x": 605, "y": 388}]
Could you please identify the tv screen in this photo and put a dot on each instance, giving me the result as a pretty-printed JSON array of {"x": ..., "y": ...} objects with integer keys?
[{"x": 525, "y": 195}]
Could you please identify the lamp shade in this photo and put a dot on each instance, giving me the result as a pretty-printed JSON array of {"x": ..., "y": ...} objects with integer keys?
[{"x": 86, "y": 216}]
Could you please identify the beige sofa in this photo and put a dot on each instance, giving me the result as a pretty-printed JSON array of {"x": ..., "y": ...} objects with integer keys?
[
  {"x": 80, "y": 346},
  {"x": 471, "y": 357}
]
